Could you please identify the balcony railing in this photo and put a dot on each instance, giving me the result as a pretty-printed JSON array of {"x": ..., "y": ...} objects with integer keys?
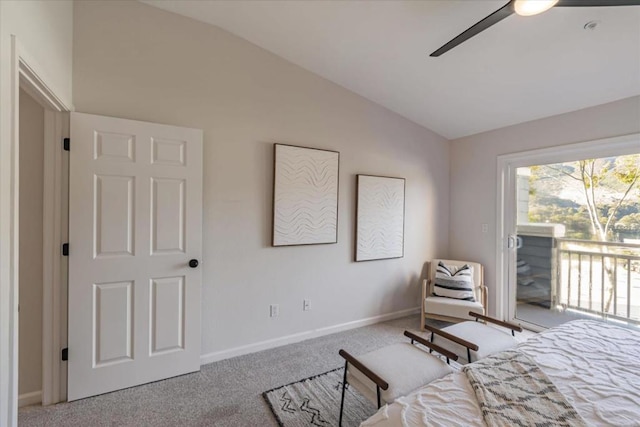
[{"x": 601, "y": 278}]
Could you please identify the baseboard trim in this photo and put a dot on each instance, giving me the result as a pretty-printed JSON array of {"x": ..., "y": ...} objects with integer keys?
[
  {"x": 32, "y": 398},
  {"x": 302, "y": 336}
]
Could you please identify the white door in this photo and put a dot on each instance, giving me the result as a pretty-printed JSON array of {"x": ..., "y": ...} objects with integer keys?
[{"x": 135, "y": 214}]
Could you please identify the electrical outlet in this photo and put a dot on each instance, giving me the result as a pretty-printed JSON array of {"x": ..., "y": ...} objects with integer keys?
[
  {"x": 274, "y": 310},
  {"x": 306, "y": 305},
  {"x": 485, "y": 228}
]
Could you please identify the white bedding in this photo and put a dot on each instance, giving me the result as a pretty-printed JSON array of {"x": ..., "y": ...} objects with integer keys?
[{"x": 594, "y": 364}]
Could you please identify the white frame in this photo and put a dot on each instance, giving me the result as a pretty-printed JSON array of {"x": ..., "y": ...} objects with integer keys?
[
  {"x": 22, "y": 75},
  {"x": 359, "y": 257},
  {"x": 277, "y": 189},
  {"x": 506, "y": 204}
]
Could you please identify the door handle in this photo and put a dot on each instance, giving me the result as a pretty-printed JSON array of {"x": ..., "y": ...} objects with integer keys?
[
  {"x": 519, "y": 242},
  {"x": 193, "y": 263}
]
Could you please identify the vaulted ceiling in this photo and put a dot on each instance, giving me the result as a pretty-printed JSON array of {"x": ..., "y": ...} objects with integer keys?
[{"x": 521, "y": 69}]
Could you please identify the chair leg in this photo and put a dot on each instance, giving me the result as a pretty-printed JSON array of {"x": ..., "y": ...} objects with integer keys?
[
  {"x": 469, "y": 354},
  {"x": 378, "y": 393},
  {"x": 344, "y": 386}
]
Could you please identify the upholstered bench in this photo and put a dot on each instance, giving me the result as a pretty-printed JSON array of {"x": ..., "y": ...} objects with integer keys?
[
  {"x": 390, "y": 372},
  {"x": 472, "y": 341}
]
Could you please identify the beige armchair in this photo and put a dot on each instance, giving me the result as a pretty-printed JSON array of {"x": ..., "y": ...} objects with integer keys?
[{"x": 450, "y": 309}]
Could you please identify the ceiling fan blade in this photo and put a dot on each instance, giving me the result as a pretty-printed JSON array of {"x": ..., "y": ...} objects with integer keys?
[
  {"x": 596, "y": 3},
  {"x": 478, "y": 27}
]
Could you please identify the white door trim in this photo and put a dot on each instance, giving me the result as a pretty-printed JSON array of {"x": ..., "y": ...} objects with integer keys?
[
  {"x": 55, "y": 229},
  {"x": 9, "y": 174},
  {"x": 21, "y": 73},
  {"x": 506, "y": 198}
]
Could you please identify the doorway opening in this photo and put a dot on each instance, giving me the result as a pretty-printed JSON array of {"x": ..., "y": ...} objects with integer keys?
[
  {"x": 42, "y": 188},
  {"x": 30, "y": 281},
  {"x": 569, "y": 233},
  {"x": 578, "y": 241}
]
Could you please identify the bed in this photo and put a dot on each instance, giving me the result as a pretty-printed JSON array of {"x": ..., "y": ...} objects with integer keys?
[{"x": 594, "y": 365}]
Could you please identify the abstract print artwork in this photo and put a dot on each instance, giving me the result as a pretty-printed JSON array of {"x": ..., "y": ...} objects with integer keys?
[
  {"x": 305, "y": 196},
  {"x": 380, "y": 218}
]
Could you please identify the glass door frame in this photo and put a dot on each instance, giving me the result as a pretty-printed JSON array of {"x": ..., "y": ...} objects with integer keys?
[{"x": 506, "y": 209}]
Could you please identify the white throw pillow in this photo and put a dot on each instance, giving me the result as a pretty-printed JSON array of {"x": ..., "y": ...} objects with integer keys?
[{"x": 452, "y": 282}]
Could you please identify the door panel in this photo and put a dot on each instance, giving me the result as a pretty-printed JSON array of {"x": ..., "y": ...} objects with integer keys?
[
  {"x": 167, "y": 314},
  {"x": 112, "y": 323},
  {"x": 135, "y": 222},
  {"x": 167, "y": 215},
  {"x": 114, "y": 225}
]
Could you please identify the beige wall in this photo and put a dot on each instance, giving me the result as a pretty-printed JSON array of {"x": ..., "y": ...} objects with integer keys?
[
  {"x": 474, "y": 163},
  {"x": 138, "y": 62},
  {"x": 31, "y": 188},
  {"x": 44, "y": 31}
]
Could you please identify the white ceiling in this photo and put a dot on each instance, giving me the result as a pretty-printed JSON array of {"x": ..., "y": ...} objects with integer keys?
[{"x": 521, "y": 69}]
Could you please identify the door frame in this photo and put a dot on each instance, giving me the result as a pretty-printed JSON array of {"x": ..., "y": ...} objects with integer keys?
[
  {"x": 54, "y": 281},
  {"x": 22, "y": 75},
  {"x": 506, "y": 204}
]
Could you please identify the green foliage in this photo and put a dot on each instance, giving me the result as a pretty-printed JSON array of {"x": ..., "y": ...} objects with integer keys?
[
  {"x": 629, "y": 222},
  {"x": 590, "y": 197},
  {"x": 626, "y": 209},
  {"x": 556, "y": 201},
  {"x": 576, "y": 220},
  {"x": 627, "y": 169}
]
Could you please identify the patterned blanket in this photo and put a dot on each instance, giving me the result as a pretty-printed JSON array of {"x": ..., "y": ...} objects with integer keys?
[{"x": 513, "y": 391}]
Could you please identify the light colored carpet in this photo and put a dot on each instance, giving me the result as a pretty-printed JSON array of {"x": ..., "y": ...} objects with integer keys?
[{"x": 225, "y": 393}]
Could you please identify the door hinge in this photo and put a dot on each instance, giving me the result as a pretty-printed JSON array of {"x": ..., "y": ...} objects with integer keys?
[
  {"x": 65, "y": 354},
  {"x": 65, "y": 249},
  {"x": 66, "y": 144}
]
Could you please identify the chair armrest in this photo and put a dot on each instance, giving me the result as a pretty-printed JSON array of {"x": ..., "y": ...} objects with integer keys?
[
  {"x": 362, "y": 368},
  {"x": 496, "y": 321},
  {"x": 425, "y": 284},
  {"x": 446, "y": 353},
  {"x": 485, "y": 297},
  {"x": 450, "y": 337}
]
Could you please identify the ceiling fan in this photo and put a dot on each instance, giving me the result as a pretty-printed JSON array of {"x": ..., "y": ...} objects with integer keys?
[{"x": 525, "y": 8}]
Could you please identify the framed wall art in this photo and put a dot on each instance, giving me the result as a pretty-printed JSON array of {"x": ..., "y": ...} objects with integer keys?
[
  {"x": 305, "y": 196},
  {"x": 379, "y": 218}
]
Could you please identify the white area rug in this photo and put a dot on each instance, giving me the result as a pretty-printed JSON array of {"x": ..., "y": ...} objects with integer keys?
[{"x": 315, "y": 401}]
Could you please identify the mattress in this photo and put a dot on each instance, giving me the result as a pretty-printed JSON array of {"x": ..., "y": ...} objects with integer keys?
[{"x": 595, "y": 365}]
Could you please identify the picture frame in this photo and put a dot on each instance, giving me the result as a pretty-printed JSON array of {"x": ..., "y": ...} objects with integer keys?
[
  {"x": 305, "y": 195},
  {"x": 380, "y": 212}
]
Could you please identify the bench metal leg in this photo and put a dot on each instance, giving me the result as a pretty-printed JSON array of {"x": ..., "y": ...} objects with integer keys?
[
  {"x": 378, "y": 393},
  {"x": 344, "y": 386}
]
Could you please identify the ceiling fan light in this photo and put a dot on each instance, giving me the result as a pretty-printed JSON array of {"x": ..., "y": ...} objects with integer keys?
[{"x": 533, "y": 7}]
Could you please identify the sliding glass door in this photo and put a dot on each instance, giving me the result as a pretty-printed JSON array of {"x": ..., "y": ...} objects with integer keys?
[{"x": 572, "y": 227}]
